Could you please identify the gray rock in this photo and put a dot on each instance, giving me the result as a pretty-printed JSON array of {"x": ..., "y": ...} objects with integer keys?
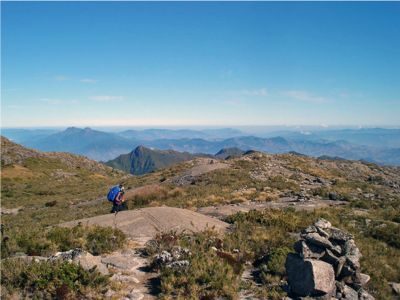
[
  {"x": 135, "y": 295},
  {"x": 88, "y": 261},
  {"x": 323, "y": 233},
  {"x": 333, "y": 196},
  {"x": 119, "y": 261},
  {"x": 179, "y": 264},
  {"x": 338, "y": 236},
  {"x": 395, "y": 287},
  {"x": 316, "y": 239},
  {"x": 350, "y": 248},
  {"x": 163, "y": 258},
  {"x": 353, "y": 254},
  {"x": 361, "y": 279},
  {"x": 109, "y": 293},
  {"x": 323, "y": 224},
  {"x": 166, "y": 258},
  {"x": 337, "y": 250},
  {"x": 309, "y": 277},
  {"x": 364, "y": 295},
  {"x": 349, "y": 294},
  {"x": 309, "y": 229},
  {"x": 83, "y": 258},
  {"x": 336, "y": 262},
  {"x": 308, "y": 251}
]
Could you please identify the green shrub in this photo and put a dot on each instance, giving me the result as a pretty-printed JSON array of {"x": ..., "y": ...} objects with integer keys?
[
  {"x": 386, "y": 232},
  {"x": 104, "y": 239},
  {"x": 276, "y": 261},
  {"x": 67, "y": 238},
  {"x": 46, "y": 279},
  {"x": 96, "y": 240},
  {"x": 209, "y": 276}
]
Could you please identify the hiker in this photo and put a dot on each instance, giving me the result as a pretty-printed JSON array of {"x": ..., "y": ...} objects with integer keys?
[{"x": 117, "y": 196}]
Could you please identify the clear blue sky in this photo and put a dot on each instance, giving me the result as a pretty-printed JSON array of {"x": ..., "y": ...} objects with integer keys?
[{"x": 152, "y": 64}]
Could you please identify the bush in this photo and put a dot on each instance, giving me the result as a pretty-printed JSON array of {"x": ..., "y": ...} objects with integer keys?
[
  {"x": 67, "y": 238},
  {"x": 276, "y": 261},
  {"x": 209, "y": 276},
  {"x": 96, "y": 240},
  {"x": 104, "y": 239},
  {"x": 46, "y": 279}
]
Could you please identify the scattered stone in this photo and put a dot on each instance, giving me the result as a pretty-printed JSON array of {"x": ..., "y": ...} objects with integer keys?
[
  {"x": 83, "y": 258},
  {"x": 176, "y": 258},
  {"x": 119, "y": 262},
  {"x": 349, "y": 294},
  {"x": 109, "y": 293},
  {"x": 395, "y": 287},
  {"x": 10, "y": 211},
  {"x": 124, "y": 278},
  {"x": 135, "y": 295},
  {"x": 179, "y": 264},
  {"x": 364, "y": 295}
]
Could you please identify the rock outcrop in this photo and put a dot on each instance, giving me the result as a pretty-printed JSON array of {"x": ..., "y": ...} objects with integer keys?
[
  {"x": 326, "y": 264},
  {"x": 83, "y": 258}
]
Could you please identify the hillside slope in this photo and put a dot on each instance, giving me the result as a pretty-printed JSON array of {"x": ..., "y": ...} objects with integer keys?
[
  {"x": 275, "y": 195},
  {"x": 143, "y": 160}
]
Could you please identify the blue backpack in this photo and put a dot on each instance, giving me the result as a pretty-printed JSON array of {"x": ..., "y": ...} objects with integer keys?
[{"x": 112, "y": 193}]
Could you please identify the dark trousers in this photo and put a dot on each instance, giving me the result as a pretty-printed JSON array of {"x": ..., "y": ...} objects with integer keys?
[{"x": 119, "y": 207}]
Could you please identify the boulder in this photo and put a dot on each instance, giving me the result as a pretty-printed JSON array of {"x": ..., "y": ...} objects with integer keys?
[
  {"x": 364, "y": 295},
  {"x": 83, "y": 258},
  {"x": 395, "y": 287},
  {"x": 323, "y": 224},
  {"x": 317, "y": 240},
  {"x": 338, "y": 235},
  {"x": 349, "y": 294},
  {"x": 308, "y": 251},
  {"x": 309, "y": 277}
]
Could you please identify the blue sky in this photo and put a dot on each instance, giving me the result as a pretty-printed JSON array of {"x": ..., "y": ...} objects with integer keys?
[{"x": 191, "y": 63}]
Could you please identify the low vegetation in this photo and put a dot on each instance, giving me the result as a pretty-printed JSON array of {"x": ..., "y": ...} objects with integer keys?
[
  {"x": 49, "y": 280},
  {"x": 96, "y": 240},
  {"x": 260, "y": 242}
]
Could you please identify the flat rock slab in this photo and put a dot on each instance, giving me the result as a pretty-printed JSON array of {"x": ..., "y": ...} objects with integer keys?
[{"x": 143, "y": 224}]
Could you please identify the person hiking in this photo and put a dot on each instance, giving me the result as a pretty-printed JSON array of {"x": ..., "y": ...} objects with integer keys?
[{"x": 117, "y": 196}]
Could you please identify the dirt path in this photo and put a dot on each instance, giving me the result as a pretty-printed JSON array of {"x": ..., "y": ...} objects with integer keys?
[
  {"x": 130, "y": 275},
  {"x": 202, "y": 166}
]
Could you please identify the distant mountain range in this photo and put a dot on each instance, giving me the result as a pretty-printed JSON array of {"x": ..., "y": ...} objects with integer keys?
[{"x": 356, "y": 144}]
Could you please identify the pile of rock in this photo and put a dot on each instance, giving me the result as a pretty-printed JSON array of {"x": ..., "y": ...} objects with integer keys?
[
  {"x": 177, "y": 258},
  {"x": 326, "y": 264}
]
